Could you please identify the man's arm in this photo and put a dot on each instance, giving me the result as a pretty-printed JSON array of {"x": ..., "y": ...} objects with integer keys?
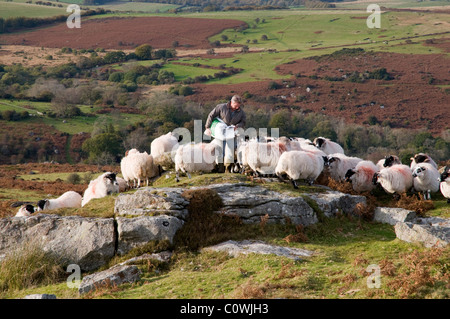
[
  {"x": 243, "y": 120},
  {"x": 212, "y": 115}
]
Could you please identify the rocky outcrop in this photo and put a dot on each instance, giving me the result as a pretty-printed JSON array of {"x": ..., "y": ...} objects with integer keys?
[
  {"x": 234, "y": 248},
  {"x": 332, "y": 202},
  {"x": 88, "y": 242},
  {"x": 430, "y": 232},
  {"x": 112, "y": 277},
  {"x": 391, "y": 216},
  {"x": 151, "y": 202},
  {"x": 247, "y": 201},
  {"x": 251, "y": 203},
  {"x": 138, "y": 231}
]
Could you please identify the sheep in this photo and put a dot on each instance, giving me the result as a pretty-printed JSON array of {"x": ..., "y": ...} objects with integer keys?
[
  {"x": 388, "y": 161},
  {"x": 422, "y": 158},
  {"x": 445, "y": 183},
  {"x": 123, "y": 185},
  {"x": 338, "y": 164},
  {"x": 361, "y": 176},
  {"x": 102, "y": 186},
  {"x": 68, "y": 199},
  {"x": 395, "y": 179},
  {"x": 300, "y": 165},
  {"x": 328, "y": 146},
  {"x": 163, "y": 149},
  {"x": 136, "y": 166},
  {"x": 25, "y": 211},
  {"x": 242, "y": 153},
  {"x": 263, "y": 157},
  {"x": 200, "y": 157},
  {"x": 426, "y": 179}
]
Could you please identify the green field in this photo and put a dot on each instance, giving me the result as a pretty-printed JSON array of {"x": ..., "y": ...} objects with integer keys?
[
  {"x": 128, "y": 6},
  {"x": 72, "y": 125},
  {"x": 12, "y": 9}
]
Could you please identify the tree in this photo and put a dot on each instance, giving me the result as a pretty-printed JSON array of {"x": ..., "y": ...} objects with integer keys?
[
  {"x": 101, "y": 144},
  {"x": 144, "y": 52},
  {"x": 114, "y": 57}
]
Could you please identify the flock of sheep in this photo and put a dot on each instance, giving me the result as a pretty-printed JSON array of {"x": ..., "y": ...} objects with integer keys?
[{"x": 292, "y": 158}]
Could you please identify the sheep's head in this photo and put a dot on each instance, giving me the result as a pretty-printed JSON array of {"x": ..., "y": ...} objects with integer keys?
[
  {"x": 42, "y": 204},
  {"x": 319, "y": 141},
  {"x": 111, "y": 183},
  {"x": 349, "y": 174},
  {"x": 445, "y": 174},
  {"x": 330, "y": 160},
  {"x": 419, "y": 171},
  {"x": 421, "y": 158},
  {"x": 375, "y": 179},
  {"x": 29, "y": 208},
  {"x": 390, "y": 160}
]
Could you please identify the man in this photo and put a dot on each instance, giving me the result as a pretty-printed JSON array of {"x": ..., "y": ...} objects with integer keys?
[{"x": 230, "y": 113}]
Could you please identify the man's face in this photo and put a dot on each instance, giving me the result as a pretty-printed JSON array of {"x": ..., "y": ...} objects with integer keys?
[{"x": 235, "y": 105}]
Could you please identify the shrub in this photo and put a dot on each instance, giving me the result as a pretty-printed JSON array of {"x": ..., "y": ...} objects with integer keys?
[{"x": 74, "y": 178}]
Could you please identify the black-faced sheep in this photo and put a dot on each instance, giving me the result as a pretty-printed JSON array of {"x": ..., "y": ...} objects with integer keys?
[
  {"x": 68, "y": 199},
  {"x": 388, "y": 161},
  {"x": 422, "y": 158},
  {"x": 100, "y": 187},
  {"x": 426, "y": 179},
  {"x": 327, "y": 146},
  {"x": 445, "y": 183},
  {"x": 338, "y": 164},
  {"x": 395, "y": 179},
  {"x": 361, "y": 176},
  {"x": 25, "y": 211}
]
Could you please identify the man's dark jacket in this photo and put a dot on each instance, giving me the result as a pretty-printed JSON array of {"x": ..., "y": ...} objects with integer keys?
[{"x": 225, "y": 113}]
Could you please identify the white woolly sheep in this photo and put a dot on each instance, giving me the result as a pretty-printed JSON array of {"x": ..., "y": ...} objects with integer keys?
[
  {"x": 426, "y": 179},
  {"x": 300, "y": 165},
  {"x": 361, "y": 176},
  {"x": 68, "y": 199},
  {"x": 25, "y": 211},
  {"x": 327, "y": 146},
  {"x": 137, "y": 167},
  {"x": 163, "y": 149},
  {"x": 422, "y": 158},
  {"x": 104, "y": 185},
  {"x": 200, "y": 157},
  {"x": 263, "y": 157},
  {"x": 445, "y": 183},
  {"x": 338, "y": 164},
  {"x": 395, "y": 179}
]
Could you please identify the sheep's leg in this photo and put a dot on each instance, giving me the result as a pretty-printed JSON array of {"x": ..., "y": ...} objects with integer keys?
[
  {"x": 177, "y": 176},
  {"x": 429, "y": 194},
  {"x": 188, "y": 175},
  {"x": 280, "y": 178},
  {"x": 294, "y": 183}
]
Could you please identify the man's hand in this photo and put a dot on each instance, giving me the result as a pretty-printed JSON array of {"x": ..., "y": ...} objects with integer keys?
[{"x": 207, "y": 132}]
